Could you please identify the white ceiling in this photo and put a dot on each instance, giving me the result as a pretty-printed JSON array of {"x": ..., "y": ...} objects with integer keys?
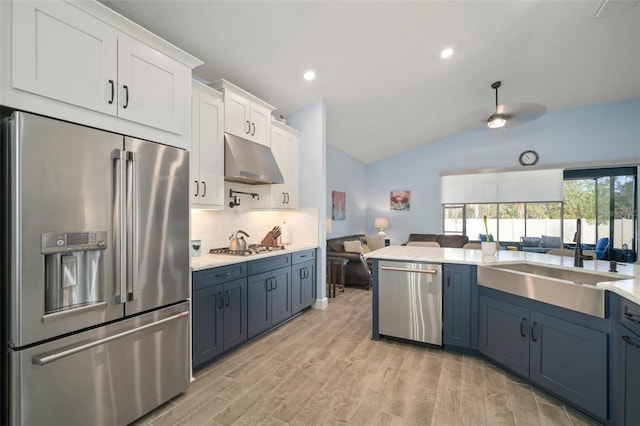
[{"x": 378, "y": 66}]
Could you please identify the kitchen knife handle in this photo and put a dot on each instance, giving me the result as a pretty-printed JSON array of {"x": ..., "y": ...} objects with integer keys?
[
  {"x": 135, "y": 221},
  {"x": 112, "y": 92},
  {"x": 121, "y": 213}
]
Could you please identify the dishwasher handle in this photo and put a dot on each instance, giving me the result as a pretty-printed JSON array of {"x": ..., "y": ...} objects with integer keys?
[{"x": 418, "y": 271}]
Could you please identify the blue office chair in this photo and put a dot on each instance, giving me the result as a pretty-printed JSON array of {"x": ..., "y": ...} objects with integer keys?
[{"x": 601, "y": 247}]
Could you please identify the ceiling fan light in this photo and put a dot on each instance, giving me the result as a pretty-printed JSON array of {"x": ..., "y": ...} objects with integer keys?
[{"x": 496, "y": 121}]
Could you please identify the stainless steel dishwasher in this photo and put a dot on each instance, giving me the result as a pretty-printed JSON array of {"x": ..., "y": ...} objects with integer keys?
[{"x": 410, "y": 301}]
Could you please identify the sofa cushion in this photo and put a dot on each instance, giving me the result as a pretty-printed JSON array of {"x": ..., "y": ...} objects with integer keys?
[
  {"x": 375, "y": 243},
  {"x": 354, "y": 246},
  {"x": 455, "y": 241},
  {"x": 550, "y": 242},
  {"x": 423, "y": 237},
  {"x": 530, "y": 241}
]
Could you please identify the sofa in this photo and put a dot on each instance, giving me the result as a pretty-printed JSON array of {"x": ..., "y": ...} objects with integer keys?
[
  {"x": 357, "y": 270},
  {"x": 455, "y": 241},
  {"x": 539, "y": 244}
]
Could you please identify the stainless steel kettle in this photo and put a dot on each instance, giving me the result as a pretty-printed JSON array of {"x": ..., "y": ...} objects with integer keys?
[{"x": 238, "y": 242}]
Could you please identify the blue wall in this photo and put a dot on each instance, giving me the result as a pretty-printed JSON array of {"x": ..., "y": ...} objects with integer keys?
[
  {"x": 596, "y": 133},
  {"x": 348, "y": 175}
]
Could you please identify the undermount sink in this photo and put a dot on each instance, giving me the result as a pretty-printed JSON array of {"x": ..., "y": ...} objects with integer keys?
[{"x": 567, "y": 288}]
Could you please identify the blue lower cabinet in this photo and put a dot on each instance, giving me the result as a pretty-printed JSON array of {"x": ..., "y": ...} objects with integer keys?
[
  {"x": 459, "y": 301},
  {"x": 219, "y": 319},
  {"x": 302, "y": 285},
  {"x": 571, "y": 361},
  {"x": 565, "y": 358},
  {"x": 269, "y": 300},
  {"x": 628, "y": 376},
  {"x": 504, "y": 334}
]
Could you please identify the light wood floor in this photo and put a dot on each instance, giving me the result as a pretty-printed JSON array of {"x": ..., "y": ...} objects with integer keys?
[{"x": 323, "y": 368}]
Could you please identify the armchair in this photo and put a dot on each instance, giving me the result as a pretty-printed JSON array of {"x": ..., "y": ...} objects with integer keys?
[{"x": 602, "y": 247}]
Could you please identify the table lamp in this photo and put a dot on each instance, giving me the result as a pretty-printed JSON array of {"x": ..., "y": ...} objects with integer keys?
[{"x": 381, "y": 223}]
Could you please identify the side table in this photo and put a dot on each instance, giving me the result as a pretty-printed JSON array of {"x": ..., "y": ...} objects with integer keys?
[{"x": 335, "y": 272}]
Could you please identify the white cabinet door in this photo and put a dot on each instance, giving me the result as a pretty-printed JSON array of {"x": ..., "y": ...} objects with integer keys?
[
  {"x": 237, "y": 111},
  {"x": 260, "y": 124},
  {"x": 153, "y": 88},
  {"x": 207, "y": 148},
  {"x": 284, "y": 146},
  {"x": 62, "y": 53},
  {"x": 292, "y": 149}
]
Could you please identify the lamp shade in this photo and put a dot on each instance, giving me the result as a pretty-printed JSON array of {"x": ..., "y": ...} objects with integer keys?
[{"x": 381, "y": 223}]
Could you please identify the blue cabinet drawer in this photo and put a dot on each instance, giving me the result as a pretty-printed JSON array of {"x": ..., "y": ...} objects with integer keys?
[
  {"x": 629, "y": 315},
  {"x": 223, "y": 274},
  {"x": 268, "y": 264},
  {"x": 303, "y": 256}
]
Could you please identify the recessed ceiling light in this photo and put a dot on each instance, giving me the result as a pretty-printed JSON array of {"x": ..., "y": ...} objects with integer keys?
[
  {"x": 446, "y": 53},
  {"x": 309, "y": 75}
]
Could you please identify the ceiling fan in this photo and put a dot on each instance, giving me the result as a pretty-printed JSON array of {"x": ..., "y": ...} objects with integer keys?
[{"x": 504, "y": 115}]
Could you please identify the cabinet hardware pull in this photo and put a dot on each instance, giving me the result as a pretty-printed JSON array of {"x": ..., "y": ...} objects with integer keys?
[
  {"x": 204, "y": 188},
  {"x": 228, "y": 294},
  {"x": 126, "y": 96},
  {"x": 276, "y": 281},
  {"x": 226, "y": 274},
  {"x": 270, "y": 281},
  {"x": 533, "y": 328},
  {"x": 629, "y": 342},
  {"x": 221, "y": 303},
  {"x": 523, "y": 327},
  {"x": 417, "y": 271},
  {"x": 253, "y": 127},
  {"x": 284, "y": 198},
  {"x": 448, "y": 278},
  {"x": 631, "y": 317},
  {"x": 112, "y": 92},
  {"x": 47, "y": 359},
  {"x": 287, "y": 198},
  {"x": 197, "y": 188},
  {"x": 248, "y": 127}
]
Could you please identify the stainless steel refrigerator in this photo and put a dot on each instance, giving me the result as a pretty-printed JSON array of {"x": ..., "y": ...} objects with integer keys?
[{"x": 95, "y": 273}]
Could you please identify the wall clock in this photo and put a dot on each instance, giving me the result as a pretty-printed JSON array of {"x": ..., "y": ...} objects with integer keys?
[{"x": 528, "y": 158}]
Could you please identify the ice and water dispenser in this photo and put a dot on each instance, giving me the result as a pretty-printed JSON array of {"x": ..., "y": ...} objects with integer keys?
[{"x": 74, "y": 264}]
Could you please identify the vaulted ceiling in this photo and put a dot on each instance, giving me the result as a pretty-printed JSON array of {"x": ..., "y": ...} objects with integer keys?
[{"x": 378, "y": 63}]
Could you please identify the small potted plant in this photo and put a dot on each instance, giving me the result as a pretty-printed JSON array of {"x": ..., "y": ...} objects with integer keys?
[{"x": 489, "y": 247}]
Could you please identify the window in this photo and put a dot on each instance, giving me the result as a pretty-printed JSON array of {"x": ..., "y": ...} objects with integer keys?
[{"x": 606, "y": 201}]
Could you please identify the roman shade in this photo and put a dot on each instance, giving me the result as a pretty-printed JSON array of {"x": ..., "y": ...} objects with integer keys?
[{"x": 544, "y": 185}]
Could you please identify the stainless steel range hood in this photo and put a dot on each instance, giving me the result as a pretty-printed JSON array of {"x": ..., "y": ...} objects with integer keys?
[{"x": 249, "y": 162}]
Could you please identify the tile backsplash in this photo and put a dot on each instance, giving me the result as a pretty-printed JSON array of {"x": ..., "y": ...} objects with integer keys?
[{"x": 215, "y": 227}]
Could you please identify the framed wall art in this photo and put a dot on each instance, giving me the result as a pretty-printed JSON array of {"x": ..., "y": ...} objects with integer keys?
[
  {"x": 400, "y": 200},
  {"x": 338, "y": 205}
]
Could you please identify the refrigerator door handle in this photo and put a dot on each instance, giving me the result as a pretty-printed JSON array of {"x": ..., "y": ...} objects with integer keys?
[
  {"x": 121, "y": 214},
  {"x": 48, "y": 359},
  {"x": 135, "y": 216}
]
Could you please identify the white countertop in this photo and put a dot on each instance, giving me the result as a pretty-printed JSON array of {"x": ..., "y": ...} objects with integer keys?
[
  {"x": 629, "y": 288},
  {"x": 206, "y": 260}
]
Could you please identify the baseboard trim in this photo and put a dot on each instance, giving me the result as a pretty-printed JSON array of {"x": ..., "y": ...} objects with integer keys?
[{"x": 320, "y": 304}]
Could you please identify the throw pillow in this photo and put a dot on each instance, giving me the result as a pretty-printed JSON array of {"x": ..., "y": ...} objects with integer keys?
[
  {"x": 375, "y": 243},
  {"x": 548, "y": 241},
  {"x": 353, "y": 246},
  {"x": 530, "y": 241},
  {"x": 365, "y": 248}
]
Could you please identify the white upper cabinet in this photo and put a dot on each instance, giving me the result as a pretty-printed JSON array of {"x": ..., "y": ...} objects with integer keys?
[
  {"x": 71, "y": 60},
  {"x": 285, "y": 148},
  {"x": 207, "y": 148},
  {"x": 152, "y": 86},
  {"x": 62, "y": 53},
  {"x": 245, "y": 115}
]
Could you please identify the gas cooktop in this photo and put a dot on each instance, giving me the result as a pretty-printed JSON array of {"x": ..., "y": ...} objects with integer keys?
[{"x": 251, "y": 250}]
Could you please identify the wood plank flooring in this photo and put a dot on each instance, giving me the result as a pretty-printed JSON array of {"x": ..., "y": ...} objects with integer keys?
[{"x": 322, "y": 368}]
